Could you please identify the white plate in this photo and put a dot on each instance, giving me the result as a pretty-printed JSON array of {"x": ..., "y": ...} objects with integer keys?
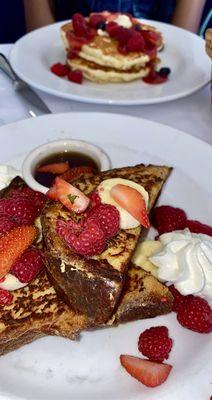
[
  {"x": 184, "y": 53},
  {"x": 56, "y": 368}
]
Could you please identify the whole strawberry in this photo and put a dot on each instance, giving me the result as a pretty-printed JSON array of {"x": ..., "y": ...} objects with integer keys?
[
  {"x": 21, "y": 209},
  {"x": 167, "y": 219},
  {"x": 155, "y": 343},
  {"x": 195, "y": 314},
  {"x": 27, "y": 267}
]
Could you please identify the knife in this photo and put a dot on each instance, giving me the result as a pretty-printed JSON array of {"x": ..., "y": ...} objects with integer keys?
[{"x": 23, "y": 88}]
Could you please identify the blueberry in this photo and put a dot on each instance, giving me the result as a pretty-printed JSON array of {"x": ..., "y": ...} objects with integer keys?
[
  {"x": 165, "y": 71},
  {"x": 101, "y": 25},
  {"x": 137, "y": 27}
]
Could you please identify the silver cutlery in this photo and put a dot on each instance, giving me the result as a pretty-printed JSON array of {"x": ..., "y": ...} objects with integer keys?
[{"x": 23, "y": 89}]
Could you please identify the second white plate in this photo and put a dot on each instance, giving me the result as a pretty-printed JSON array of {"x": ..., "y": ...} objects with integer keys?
[{"x": 184, "y": 52}]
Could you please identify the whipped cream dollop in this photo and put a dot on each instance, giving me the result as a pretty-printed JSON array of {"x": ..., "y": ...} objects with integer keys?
[
  {"x": 186, "y": 262},
  {"x": 123, "y": 20},
  {"x": 7, "y": 173}
]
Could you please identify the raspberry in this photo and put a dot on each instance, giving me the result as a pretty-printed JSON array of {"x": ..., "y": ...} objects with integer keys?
[
  {"x": 38, "y": 198},
  {"x": 198, "y": 227},
  {"x": 80, "y": 26},
  {"x": 108, "y": 217},
  {"x": 95, "y": 200},
  {"x": 21, "y": 209},
  {"x": 155, "y": 343},
  {"x": 122, "y": 48},
  {"x": 5, "y": 297},
  {"x": 65, "y": 227},
  {"x": 123, "y": 35},
  {"x": 27, "y": 267},
  {"x": 95, "y": 20},
  {"x": 179, "y": 299},
  {"x": 151, "y": 50},
  {"x": 60, "y": 69},
  {"x": 195, "y": 314},
  {"x": 150, "y": 36},
  {"x": 75, "y": 76},
  {"x": 111, "y": 28},
  {"x": 6, "y": 223},
  {"x": 168, "y": 219},
  {"x": 118, "y": 32},
  {"x": 135, "y": 42},
  {"x": 89, "y": 242}
]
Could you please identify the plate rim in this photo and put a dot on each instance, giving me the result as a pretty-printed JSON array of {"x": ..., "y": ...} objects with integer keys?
[{"x": 105, "y": 114}]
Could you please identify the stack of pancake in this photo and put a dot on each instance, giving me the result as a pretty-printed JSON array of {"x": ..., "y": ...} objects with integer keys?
[{"x": 100, "y": 59}]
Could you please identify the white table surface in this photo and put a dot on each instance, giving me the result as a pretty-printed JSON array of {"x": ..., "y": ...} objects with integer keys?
[{"x": 193, "y": 114}]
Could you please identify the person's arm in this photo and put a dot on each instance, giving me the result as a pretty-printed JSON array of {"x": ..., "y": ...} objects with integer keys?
[
  {"x": 188, "y": 14},
  {"x": 37, "y": 13}
]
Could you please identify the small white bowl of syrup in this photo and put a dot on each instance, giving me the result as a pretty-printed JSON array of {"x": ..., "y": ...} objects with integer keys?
[{"x": 76, "y": 153}]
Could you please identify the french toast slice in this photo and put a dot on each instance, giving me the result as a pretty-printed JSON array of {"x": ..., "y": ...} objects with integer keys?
[
  {"x": 92, "y": 286},
  {"x": 37, "y": 311}
]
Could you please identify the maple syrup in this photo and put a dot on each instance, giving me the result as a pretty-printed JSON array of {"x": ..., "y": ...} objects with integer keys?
[{"x": 74, "y": 159}]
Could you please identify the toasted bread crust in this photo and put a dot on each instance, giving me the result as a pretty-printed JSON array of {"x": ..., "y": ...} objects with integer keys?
[
  {"x": 143, "y": 297},
  {"x": 37, "y": 311},
  {"x": 93, "y": 285}
]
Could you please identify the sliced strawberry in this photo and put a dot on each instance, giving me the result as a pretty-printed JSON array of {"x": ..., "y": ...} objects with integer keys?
[
  {"x": 13, "y": 244},
  {"x": 95, "y": 20},
  {"x": 80, "y": 26},
  {"x": 151, "y": 36},
  {"x": 75, "y": 172},
  {"x": 136, "y": 42},
  {"x": 71, "y": 197},
  {"x": 132, "y": 201},
  {"x": 55, "y": 168},
  {"x": 52, "y": 193},
  {"x": 149, "y": 373},
  {"x": 75, "y": 43}
]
